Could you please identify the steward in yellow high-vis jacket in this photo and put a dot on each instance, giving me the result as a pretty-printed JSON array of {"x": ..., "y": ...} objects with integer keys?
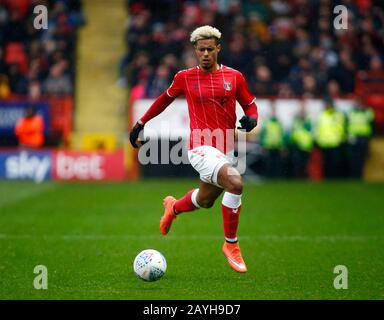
[
  {"x": 272, "y": 143},
  {"x": 359, "y": 131},
  {"x": 330, "y": 136},
  {"x": 301, "y": 144}
]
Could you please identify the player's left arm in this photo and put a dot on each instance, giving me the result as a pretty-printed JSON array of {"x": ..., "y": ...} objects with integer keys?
[
  {"x": 157, "y": 107},
  {"x": 248, "y": 102}
]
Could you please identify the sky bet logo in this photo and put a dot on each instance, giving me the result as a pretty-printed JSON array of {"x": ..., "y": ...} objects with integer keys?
[{"x": 27, "y": 166}]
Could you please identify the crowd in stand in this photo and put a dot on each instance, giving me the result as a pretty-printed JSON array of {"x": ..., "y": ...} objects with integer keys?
[
  {"x": 38, "y": 62},
  {"x": 284, "y": 48}
]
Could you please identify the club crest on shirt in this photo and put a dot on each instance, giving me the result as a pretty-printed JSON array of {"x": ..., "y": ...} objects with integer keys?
[{"x": 227, "y": 86}]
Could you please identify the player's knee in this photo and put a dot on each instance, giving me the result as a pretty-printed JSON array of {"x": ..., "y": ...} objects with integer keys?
[
  {"x": 206, "y": 203},
  {"x": 235, "y": 184}
]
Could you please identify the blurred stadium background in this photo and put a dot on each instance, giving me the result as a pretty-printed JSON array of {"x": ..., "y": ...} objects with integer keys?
[{"x": 314, "y": 195}]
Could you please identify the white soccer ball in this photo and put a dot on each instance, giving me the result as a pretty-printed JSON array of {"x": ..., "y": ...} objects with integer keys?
[{"x": 150, "y": 265}]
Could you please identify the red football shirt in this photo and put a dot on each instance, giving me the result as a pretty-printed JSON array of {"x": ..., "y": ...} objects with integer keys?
[{"x": 211, "y": 98}]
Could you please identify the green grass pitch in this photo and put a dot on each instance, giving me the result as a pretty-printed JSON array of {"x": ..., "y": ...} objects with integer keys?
[{"x": 292, "y": 235}]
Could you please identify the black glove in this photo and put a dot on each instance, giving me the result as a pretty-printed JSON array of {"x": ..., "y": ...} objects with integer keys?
[
  {"x": 134, "y": 134},
  {"x": 248, "y": 123}
]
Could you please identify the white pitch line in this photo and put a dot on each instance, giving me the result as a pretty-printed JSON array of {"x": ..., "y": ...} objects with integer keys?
[
  {"x": 271, "y": 238},
  {"x": 94, "y": 237},
  {"x": 325, "y": 238}
]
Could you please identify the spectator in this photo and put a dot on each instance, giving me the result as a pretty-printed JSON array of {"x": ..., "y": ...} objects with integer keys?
[
  {"x": 333, "y": 89},
  {"x": 261, "y": 83},
  {"x": 139, "y": 69},
  {"x": 375, "y": 64},
  {"x": 159, "y": 82},
  {"x": 238, "y": 55},
  {"x": 189, "y": 59},
  {"x": 344, "y": 72},
  {"x": 57, "y": 83},
  {"x": 281, "y": 54},
  {"x": 285, "y": 91},
  {"x": 29, "y": 130},
  {"x": 17, "y": 82},
  {"x": 34, "y": 90},
  {"x": 309, "y": 86}
]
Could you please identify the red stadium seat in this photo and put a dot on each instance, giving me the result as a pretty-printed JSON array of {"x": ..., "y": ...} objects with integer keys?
[
  {"x": 15, "y": 53},
  {"x": 21, "y": 6}
]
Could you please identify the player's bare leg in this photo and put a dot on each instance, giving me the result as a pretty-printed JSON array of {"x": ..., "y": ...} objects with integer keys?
[
  {"x": 203, "y": 197},
  {"x": 230, "y": 179},
  {"x": 207, "y": 195}
]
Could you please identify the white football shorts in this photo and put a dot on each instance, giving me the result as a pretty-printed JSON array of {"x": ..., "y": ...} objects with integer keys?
[{"x": 207, "y": 161}]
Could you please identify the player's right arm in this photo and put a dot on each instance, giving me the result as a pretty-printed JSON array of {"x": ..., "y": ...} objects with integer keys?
[
  {"x": 157, "y": 107},
  {"x": 248, "y": 103}
]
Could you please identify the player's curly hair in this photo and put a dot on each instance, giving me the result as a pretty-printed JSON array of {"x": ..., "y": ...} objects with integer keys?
[{"x": 205, "y": 32}]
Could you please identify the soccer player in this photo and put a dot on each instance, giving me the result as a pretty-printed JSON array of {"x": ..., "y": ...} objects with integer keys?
[{"x": 211, "y": 91}]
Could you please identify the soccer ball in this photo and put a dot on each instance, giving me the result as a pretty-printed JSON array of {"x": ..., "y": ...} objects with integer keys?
[{"x": 150, "y": 265}]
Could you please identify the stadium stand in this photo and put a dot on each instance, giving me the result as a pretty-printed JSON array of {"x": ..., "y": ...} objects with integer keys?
[
  {"x": 285, "y": 48},
  {"x": 38, "y": 65}
]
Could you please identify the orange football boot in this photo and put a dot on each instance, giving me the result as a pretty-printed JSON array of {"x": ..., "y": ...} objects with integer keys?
[
  {"x": 168, "y": 216},
  {"x": 233, "y": 254}
]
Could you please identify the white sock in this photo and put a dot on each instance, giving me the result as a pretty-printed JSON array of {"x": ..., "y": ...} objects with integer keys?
[
  {"x": 193, "y": 198},
  {"x": 231, "y": 200}
]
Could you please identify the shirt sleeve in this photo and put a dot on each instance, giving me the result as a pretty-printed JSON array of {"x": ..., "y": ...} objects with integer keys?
[
  {"x": 177, "y": 86},
  {"x": 246, "y": 99},
  {"x": 157, "y": 107},
  {"x": 243, "y": 94}
]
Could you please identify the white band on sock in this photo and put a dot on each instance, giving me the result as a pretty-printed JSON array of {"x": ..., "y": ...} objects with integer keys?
[
  {"x": 231, "y": 200},
  {"x": 193, "y": 198},
  {"x": 231, "y": 239}
]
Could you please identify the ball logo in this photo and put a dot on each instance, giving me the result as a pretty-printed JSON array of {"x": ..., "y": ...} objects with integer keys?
[{"x": 150, "y": 265}]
